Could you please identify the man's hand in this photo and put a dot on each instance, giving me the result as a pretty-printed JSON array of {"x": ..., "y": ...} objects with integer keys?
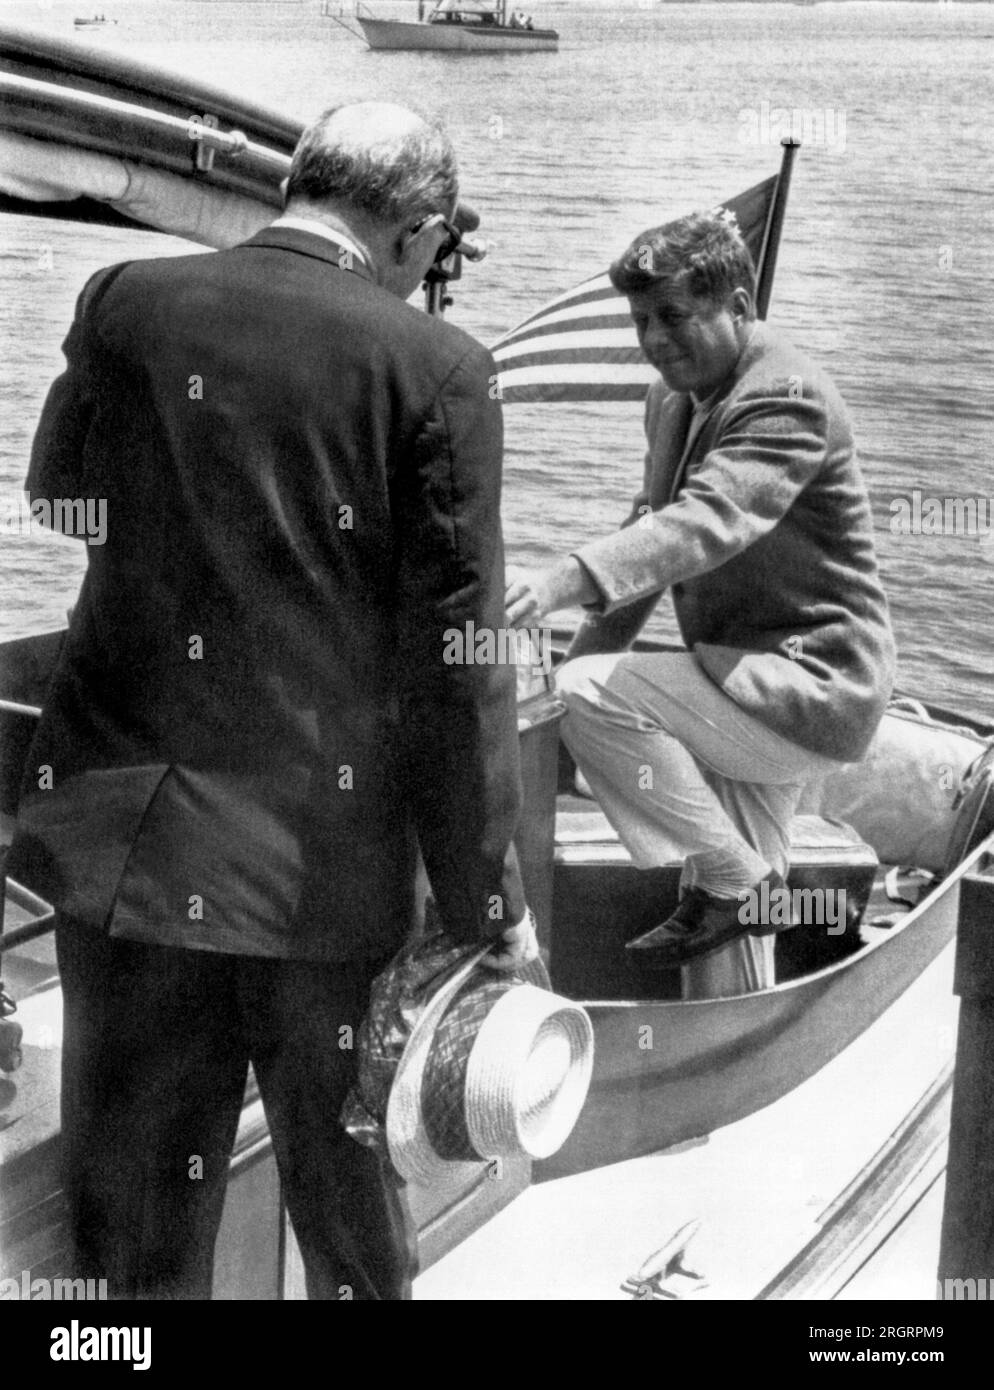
[
  {"x": 526, "y": 597},
  {"x": 530, "y": 594},
  {"x": 516, "y": 947}
]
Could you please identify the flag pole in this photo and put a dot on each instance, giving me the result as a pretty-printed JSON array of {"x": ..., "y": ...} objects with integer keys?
[{"x": 774, "y": 226}]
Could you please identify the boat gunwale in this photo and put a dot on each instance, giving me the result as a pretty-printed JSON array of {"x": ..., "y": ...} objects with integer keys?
[
  {"x": 41, "y": 101},
  {"x": 24, "y": 45},
  {"x": 473, "y": 28},
  {"x": 928, "y": 901}
]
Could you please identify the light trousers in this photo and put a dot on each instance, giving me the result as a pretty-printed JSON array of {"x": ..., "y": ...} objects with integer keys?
[{"x": 683, "y": 773}]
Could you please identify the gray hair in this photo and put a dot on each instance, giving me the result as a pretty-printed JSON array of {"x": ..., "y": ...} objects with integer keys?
[{"x": 385, "y": 160}]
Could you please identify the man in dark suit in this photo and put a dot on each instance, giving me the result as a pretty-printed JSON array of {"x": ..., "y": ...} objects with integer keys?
[
  {"x": 252, "y": 727},
  {"x": 754, "y": 515}
]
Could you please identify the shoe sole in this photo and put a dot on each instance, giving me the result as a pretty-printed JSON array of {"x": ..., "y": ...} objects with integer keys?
[{"x": 651, "y": 963}]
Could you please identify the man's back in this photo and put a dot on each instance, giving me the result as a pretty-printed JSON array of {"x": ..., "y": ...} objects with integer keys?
[
  {"x": 273, "y": 436},
  {"x": 256, "y": 417},
  {"x": 253, "y": 726}
]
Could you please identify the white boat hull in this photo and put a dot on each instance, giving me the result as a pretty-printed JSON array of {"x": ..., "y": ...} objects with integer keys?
[{"x": 402, "y": 34}]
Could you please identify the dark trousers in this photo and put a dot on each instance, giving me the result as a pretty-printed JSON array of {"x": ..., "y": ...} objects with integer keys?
[{"x": 156, "y": 1049}]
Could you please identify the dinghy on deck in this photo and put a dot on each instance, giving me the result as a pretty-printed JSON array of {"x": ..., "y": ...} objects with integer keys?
[{"x": 92, "y": 138}]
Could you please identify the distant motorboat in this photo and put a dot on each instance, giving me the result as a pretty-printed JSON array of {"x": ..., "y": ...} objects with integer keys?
[
  {"x": 97, "y": 21},
  {"x": 454, "y": 26}
]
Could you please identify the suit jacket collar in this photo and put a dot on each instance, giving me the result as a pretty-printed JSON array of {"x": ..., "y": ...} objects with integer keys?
[
  {"x": 749, "y": 355},
  {"x": 322, "y": 248},
  {"x": 756, "y": 348}
]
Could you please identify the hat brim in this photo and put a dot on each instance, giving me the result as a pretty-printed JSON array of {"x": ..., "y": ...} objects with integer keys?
[
  {"x": 411, "y": 1150},
  {"x": 407, "y": 1137}
]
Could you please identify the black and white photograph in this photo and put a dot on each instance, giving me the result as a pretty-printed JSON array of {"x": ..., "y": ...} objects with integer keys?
[{"x": 496, "y": 697}]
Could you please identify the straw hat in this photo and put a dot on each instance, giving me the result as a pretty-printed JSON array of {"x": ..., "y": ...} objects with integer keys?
[{"x": 495, "y": 1067}]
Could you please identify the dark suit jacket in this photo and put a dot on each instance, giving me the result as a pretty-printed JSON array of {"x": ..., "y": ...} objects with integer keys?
[
  {"x": 762, "y": 530},
  {"x": 252, "y": 720}
]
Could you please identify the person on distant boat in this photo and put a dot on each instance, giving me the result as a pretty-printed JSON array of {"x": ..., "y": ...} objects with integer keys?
[
  {"x": 753, "y": 514},
  {"x": 253, "y": 725}
]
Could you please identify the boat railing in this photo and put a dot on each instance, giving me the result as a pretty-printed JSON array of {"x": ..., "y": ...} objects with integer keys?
[{"x": 967, "y": 1248}]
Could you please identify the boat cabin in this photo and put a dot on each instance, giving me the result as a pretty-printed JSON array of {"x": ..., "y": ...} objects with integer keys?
[{"x": 455, "y": 12}]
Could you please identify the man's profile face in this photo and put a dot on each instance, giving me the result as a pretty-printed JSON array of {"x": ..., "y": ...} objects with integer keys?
[
  {"x": 416, "y": 256},
  {"x": 693, "y": 343}
]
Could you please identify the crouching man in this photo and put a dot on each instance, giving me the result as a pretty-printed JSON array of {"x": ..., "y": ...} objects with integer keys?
[{"x": 753, "y": 514}]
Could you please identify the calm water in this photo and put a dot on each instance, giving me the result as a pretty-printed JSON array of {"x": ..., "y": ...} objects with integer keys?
[{"x": 886, "y": 271}]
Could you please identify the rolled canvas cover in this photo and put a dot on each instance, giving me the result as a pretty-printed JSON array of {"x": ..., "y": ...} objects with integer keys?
[
  {"x": 901, "y": 797},
  {"x": 40, "y": 171}
]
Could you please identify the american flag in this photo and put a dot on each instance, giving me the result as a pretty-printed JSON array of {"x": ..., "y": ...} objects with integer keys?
[{"x": 582, "y": 345}]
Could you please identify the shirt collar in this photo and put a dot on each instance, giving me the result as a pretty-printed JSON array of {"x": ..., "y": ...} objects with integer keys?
[
  {"x": 307, "y": 224},
  {"x": 702, "y": 404}
]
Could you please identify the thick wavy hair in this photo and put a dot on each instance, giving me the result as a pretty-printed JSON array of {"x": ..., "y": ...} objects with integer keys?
[
  {"x": 703, "y": 253},
  {"x": 385, "y": 160}
]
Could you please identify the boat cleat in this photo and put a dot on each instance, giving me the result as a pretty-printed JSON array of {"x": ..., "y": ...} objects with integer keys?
[{"x": 664, "y": 1275}]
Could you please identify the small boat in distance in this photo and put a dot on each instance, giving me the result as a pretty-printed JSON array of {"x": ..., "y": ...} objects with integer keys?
[
  {"x": 458, "y": 26},
  {"x": 97, "y": 21}
]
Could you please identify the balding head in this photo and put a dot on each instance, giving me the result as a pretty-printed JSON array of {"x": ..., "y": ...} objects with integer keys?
[{"x": 383, "y": 161}]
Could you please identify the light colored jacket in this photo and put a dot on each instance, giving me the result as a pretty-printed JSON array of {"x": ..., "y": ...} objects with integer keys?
[{"x": 764, "y": 535}]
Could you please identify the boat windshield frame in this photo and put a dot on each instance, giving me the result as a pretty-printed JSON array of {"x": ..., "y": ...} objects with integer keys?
[{"x": 442, "y": 14}]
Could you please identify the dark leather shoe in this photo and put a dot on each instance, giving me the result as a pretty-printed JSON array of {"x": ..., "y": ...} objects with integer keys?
[{"x": 702, "y": 923}]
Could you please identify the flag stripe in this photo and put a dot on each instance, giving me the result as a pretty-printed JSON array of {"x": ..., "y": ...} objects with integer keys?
[
  {"x": 554, "y": 341},
  {"x": 610, "y": 357},
  {"x": 580, "y": 321},
  {"x": 583, "y": 371},
  {"x": 599, "y": 287},
  {"x": 548, "y": 393},
  {"x": 577, "y": 382}
]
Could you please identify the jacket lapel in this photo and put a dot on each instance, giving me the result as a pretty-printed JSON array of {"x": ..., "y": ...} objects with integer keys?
[
  {"x": 689, "y": 438},
  {"x": 668, "y": 445}
]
